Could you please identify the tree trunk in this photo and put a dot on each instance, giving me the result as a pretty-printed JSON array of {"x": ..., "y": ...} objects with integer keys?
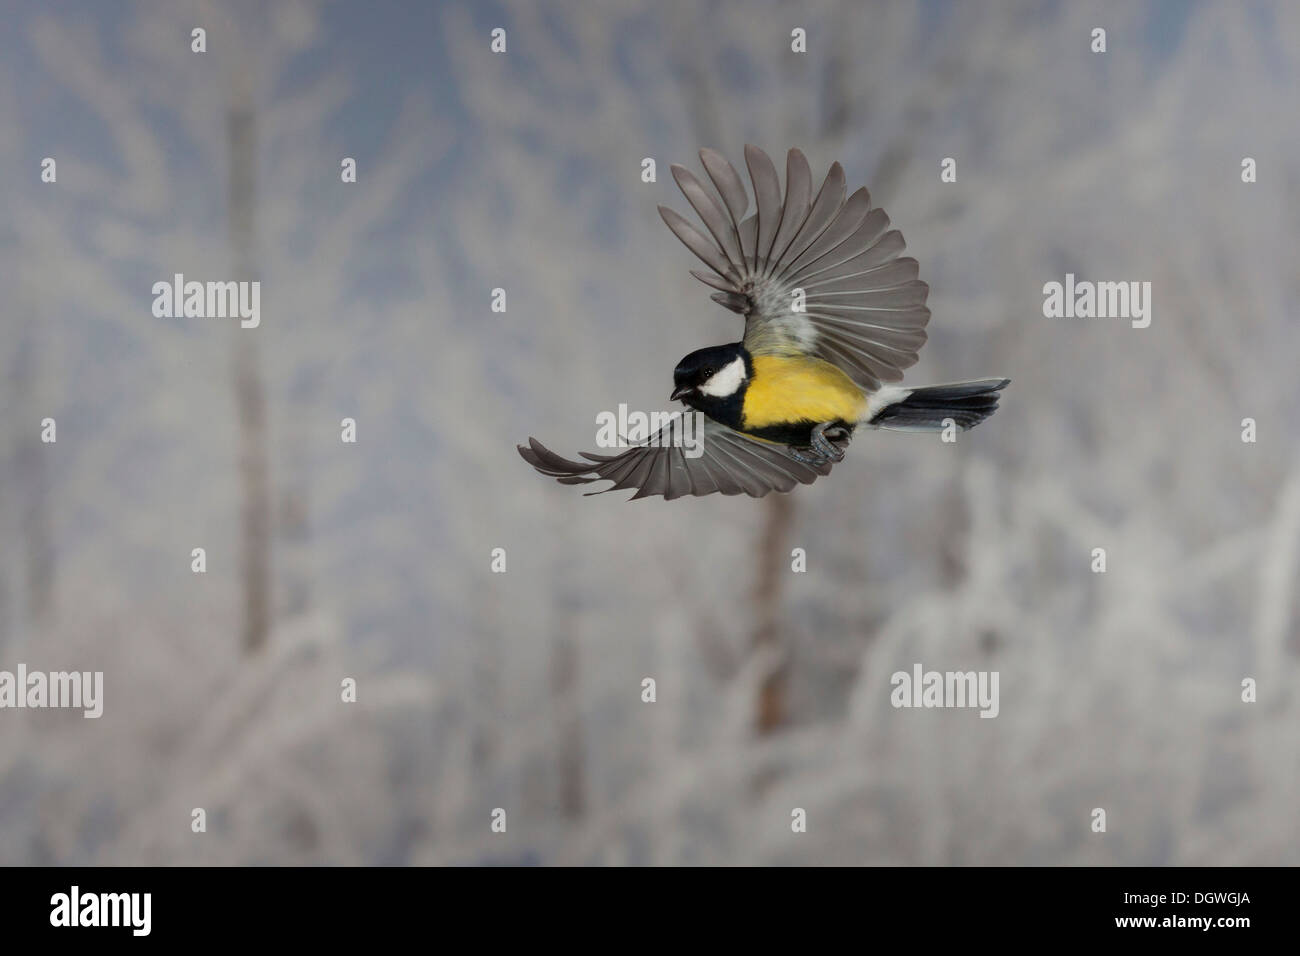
[
  {"x": 771, "y": 705},
  {"x": 250, "y": 397}
]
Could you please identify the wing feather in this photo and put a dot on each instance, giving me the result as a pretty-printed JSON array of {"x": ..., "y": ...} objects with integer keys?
[
  {"x": 867, "y": 233},
  {"x": 845, "y": 223},
  {"x": 876, "y": 255},
  {"x": 864, "y": 306},
  {"x": 886, "y": 276},
  {"x": 798, "y": 193},
  {"x": 716, "y": 282},
  {"x": 731, "y": 463},
  {"x": 694, "y": 240},
  {"x": 767, "y": 196},
  {"x": 827, "y": 205},
  {"x": 710, "y": 213},
  {"x": 731, "y": 189}
]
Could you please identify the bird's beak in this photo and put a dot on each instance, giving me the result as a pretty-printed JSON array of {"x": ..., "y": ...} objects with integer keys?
[{"x": 679, "y": 391}]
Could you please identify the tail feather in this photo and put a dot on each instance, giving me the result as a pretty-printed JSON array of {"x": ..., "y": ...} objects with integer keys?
[{"x": 927, "y": 409}]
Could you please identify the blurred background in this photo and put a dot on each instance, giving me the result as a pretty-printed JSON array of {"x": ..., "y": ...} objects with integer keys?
[{"x": 523, "y": 690}]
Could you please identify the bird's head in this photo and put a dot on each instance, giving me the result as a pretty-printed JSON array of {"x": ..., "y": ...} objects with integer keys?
[{"x": 718, "y": 373}]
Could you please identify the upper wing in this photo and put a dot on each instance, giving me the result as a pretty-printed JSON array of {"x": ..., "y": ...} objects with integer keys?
[
  {"x": 864, "y": 308},
  {"x": 731, "y": 463}
]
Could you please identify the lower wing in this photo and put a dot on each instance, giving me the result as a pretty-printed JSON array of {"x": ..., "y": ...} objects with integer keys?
[{"x": 730, "y": 463}]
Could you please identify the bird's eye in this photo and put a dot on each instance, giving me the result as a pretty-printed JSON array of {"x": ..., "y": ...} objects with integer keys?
[{"x": 707, "y": 372}]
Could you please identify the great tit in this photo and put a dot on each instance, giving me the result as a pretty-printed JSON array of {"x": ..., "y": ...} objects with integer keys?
[{"x": 832, "y": 315}]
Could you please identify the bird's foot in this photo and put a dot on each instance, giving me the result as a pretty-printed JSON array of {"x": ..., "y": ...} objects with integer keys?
[{"x": 822, "y": 448}]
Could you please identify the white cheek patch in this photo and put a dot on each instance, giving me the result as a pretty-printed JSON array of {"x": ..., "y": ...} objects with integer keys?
[{"x": 726, "y": 380}]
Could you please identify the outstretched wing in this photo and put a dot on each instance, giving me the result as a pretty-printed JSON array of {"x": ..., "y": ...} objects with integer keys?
[
  {"x": 731, "y": 463},
  {"x": 863, "y": 308}
]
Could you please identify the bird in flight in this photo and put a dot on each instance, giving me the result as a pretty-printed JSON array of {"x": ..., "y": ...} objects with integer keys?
[{"x": 832, "y": 318}]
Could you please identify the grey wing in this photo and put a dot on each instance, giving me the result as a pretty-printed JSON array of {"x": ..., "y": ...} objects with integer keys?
[
  {"x": 731, "y": 463},
  {"x": 862, "y": 307}
]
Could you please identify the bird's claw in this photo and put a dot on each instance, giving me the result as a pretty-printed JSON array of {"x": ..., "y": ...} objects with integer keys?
[{"x": 822, "y": 448}]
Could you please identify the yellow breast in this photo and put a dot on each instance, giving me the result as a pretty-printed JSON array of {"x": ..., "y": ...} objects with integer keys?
[{"x": 800, "y": 388}]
